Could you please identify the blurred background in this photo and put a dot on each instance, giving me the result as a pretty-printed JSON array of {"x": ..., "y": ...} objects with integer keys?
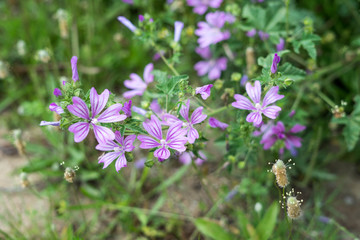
[{"x": 169, "y": 201}]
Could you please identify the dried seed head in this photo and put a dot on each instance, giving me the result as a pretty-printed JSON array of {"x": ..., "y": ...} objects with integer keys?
[
  {"x": 69, "y": 175},
  {"x": 250, "y": 59},
  {"x": 24, "y": 180},
  {"x": 279, "y": 169},
  {"x": 293, "y": 207},
  {"x": 18, "y": 142}
]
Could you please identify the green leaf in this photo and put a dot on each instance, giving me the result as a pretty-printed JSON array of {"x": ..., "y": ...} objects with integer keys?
[
  {"x": 212, "y": 229},
  {"x": 268, "y": 222},
  {"x": 292, "y": 72},
  {"x": 278, "y": 17},
  {"x": 307, "y": 42},
  {"x": 165, "y": 84},
  {"x": 267, "y": 61},
  {"x": 352, "y": 130},
  {"x": 136, "y": 129}
]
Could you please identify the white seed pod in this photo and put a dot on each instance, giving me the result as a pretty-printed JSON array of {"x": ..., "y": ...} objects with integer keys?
[
  {"x": 279, "y": 169},
  {"x": 293, "y": 207}
]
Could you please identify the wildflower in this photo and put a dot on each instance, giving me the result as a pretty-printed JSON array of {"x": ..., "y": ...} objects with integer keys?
[
  {"x": 75, "y": 75},
  {"x": 158, "y": 55},
  {"x": 278, "y": 132},
  {"x": 281, "y": 45},
  {"x": 42, "y": 56},
  {"x": 167, "y": 118},
  {"x": 209, "y": 32},
  {"x": 232, "y": 194},
  {"x": 137, "y": 84},
  {"x": 116, "y": 149},
  {"x": 98, "y": 102},
  {"x": 279, "y": 169},
  {"x": 140, "y": 164},
  {"x": 175, "y": 138},
  {"x": 141, "y": 18},
  {"x": 263, "y": 35},
  {"x": 178, "y": 28},
  {"x": 258, "y": 108},
  {"x": 186, "y": 158},
  {"x": 251, "y": 33},
  {"x": 204, "y": 91},
  {"x": 258, "y": 207},
  {"x": 214, "y": 123},
  {"x": 57, "y": 92},
  {"x": 292, "y": 113},
  {"x": 293, "y": 206},
  {"x": 274, "y": 64},
  {"x": 200, "y": 6},
  {"x": 55, "y": 108},
  {"x": 244, "y": 80},
  {"x": 196, "y": 117},
  {"x": 138, "y": 110},
  {"x": 212, "y": 67},
  {"x": 21, "y": 47},
  {"x": 45, "y": 123},
  {"x": 127, "y": 23},
  {"x": 127, "y": 108},
  {"x": 69, "y": 175}
]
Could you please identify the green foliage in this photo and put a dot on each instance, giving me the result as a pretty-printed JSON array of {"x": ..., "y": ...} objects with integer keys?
[
  {"x": 352, "y": 129},
  {"x": 212, "y": 229}
]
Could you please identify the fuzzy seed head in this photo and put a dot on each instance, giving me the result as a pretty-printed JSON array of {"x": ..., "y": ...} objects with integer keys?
[
  {"x": 293, "y": 207},
  {"x": 69, "y": 175},
  {"x": 279, "y": 169}
]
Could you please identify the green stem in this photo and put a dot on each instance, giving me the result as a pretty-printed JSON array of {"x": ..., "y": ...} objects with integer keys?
[
  {"x": 216, "y": 111},
  {"x": 326, "y": 99}
]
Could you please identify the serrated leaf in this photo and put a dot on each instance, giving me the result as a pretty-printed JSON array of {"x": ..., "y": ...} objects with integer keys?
[
  {"x": 136, "y": 129},
  {"x": 212, "y": 229},
  {"x": 352, "y": 130},
  {"x": 307, "y": 42},
  {"x": 277, "y": 18},
  {"x": 268, "y": 222},
  {"x": 292, "y": 72}
]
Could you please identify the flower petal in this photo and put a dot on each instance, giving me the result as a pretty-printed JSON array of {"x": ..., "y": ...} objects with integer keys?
[
  {"x": 120, "y": 162},
  {"x": 162, "y": 153},
  {"x": 184, "y": 111},
  {"x": 175, "y": 131},
  {"x": 103, "y": 134},
  {"x": 112, "y": 114},
  {"x": 97, "y": 101},
  {"x": 214, "y": 123},
  {"x": 153, "y": 127},
  {"x": 75, "y": 75},
  {"x": 107, "y": 146},
  {"x": 272, "y": 96},
  {"x": 108, "y": 158},
  {"x": 147, "y": 142},
  {"x": 79, "y": 108},
  {"x": 178, "y": 144},
  {"x": 254, "y": 117},
  {"x": 254, "y": 92},
  {"x": 80, "y": 130},
  {"x": 192, "y": 135},
  {"x": 197, "y": 116},
  {"x": 271, "y": 111},
  {"x": 204, "y": 91},
  {"x": 242, "y": 103},
  {"x": 297, "y": 128},
  {"x": 129, "y": 143}
]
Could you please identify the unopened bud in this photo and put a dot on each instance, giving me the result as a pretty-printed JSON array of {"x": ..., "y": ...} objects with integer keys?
[
  {"x": 149, "y": 163},
  {"x": 236, "y": 77},
  {"x": 288, "y": 81},
  {"x": 69, "y": 175},
  {"x": 218, "y": 84},
  {"x": 129, "y": 156}
]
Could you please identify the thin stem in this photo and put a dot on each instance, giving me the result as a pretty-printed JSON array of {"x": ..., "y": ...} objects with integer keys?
[
  {"x": 326, "y": 99},
  {"x": 202, "y": 103},
  {"x": 216, "y": 111},
  {"x": 202, "y": 181}
]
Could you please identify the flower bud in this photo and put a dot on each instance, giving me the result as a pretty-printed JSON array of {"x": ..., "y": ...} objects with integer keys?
[
  {"x": 288, "y": 81},
  {"x": 69, "y": 175},
  {"x": 149, "y": 163},
  {"x": 129, "y": 156},
  {"x": 218, "y": 84},
  {"x": 236, "y": 77}
]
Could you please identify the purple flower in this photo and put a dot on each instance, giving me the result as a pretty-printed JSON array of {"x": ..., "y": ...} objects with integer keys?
[
  {"x": 127, "y": 108},
  {"x": 116, "y": 149},
  {"x": 167, "y": 118},
  {"x": 75, "y": 75},
  {"x": 178, "y": 28},
  {"x": 200, "y": 6},
  {"x": 139, "y": 111},
  {"x": 278, "y": 132},
  {"x": 256, "y": 106},
  {"x": 98, "y": 103},
  {"x": 127, "y": 23},
  {"x": 55, "y": 108},
  {"x": 209, "y": 32},
  {"x": 57, "y": 92},
  {"x": 204, "y": 91},
  {"x": 214, "y": 123},
  {"x": 45, "y": 123},
  {"x": 128, "y": 1},
  {"x": 137, "y": 85},
  {"x": 186, "y": 158},
  {"x": 212, "y": 67},
  {"x": 141, "y": 18},
  {"x": 274, "y": 64},
  {"x": 140, "y": 164},
  {"x": 251, "y": 33},
  {"x": 263, "y": 35},
  {"x": 196, "y": 117},
  {"x": 281, "y": 45},
  {"x": 292, "y": 113},
  {"x": 175, "y": 138},
  {"x": 158, "y": 55},
  {"x": 244, "y": 80}
]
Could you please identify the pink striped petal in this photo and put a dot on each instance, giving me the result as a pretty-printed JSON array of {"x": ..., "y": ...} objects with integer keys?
[
  {"x": 297, "y": 128},
  {"x": 80, "y": 130},
  {"x": 197, "y": 116},
  {"x": 103, "y": 134},
  {"x": 106, "y": 147},
  {"x": 120, "y": 162},
  {"x": 97, "y": 101},
  {"x": 147, "y": 142},
  {"x": 271, "y": 111},
  {"x": 119, "y": 138},
  {"x": 79, "y": 108},
  {"x": 175, "y": 131},
  {"x": 148, "y": 77},
  {"x": 162, "y": 153},
  {"x": 153, "y": 127},
  {"x": 242, "y": 103},
  {"x": 254, "y": 92},
  {"x": 108, "y": 158},
  {"x": 254, "y": 117},
  {"x": 272, "y": 96},
  {"x": 112, "y": 114},
  {"x": 184, "y": 111},
  {"x": 178, "y": 144},
  {"x": 192, "y": 135},
  {"x": 129, "y": 143}
]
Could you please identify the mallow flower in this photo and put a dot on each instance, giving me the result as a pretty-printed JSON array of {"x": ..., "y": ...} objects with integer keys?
[
  {"x": 214, "y": 123},
  {"x": 257, "y": 106},
  {"x": 196, "y": 117},
  {"x": 116, "y": 149},
  {"x": 200, "y": 6},
  {"x": 127, "y": 23},
  {"x": 57, "y": 92},
  {"x": 210, "y": 66},
  {"x": 55, "y": 108},
  {"x": 186, "y": 158},
  {"x": 166, "y": 118},
  {"x": 75, "y": 75},
  {"x": 204, "y": 91},
  {"x": 137, "y": 84},
  {"x": 281, "y": 45},
  {"x": 98, "y": 103},
  {"x": 210, "y": 32},
  {"x": 127, "y": 108},
  {"x": 175, "y": 138},
  {"x": 275, "y": 62},
  {"x": 178, "y": 29}
]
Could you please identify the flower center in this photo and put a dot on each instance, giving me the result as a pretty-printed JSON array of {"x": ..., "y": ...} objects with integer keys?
[
  {"x": 94, "y": 121},
  {"x": 118, "y": 149},
  {"x": 258, "y": 106},
  {"x": 163, "y": 142}
]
